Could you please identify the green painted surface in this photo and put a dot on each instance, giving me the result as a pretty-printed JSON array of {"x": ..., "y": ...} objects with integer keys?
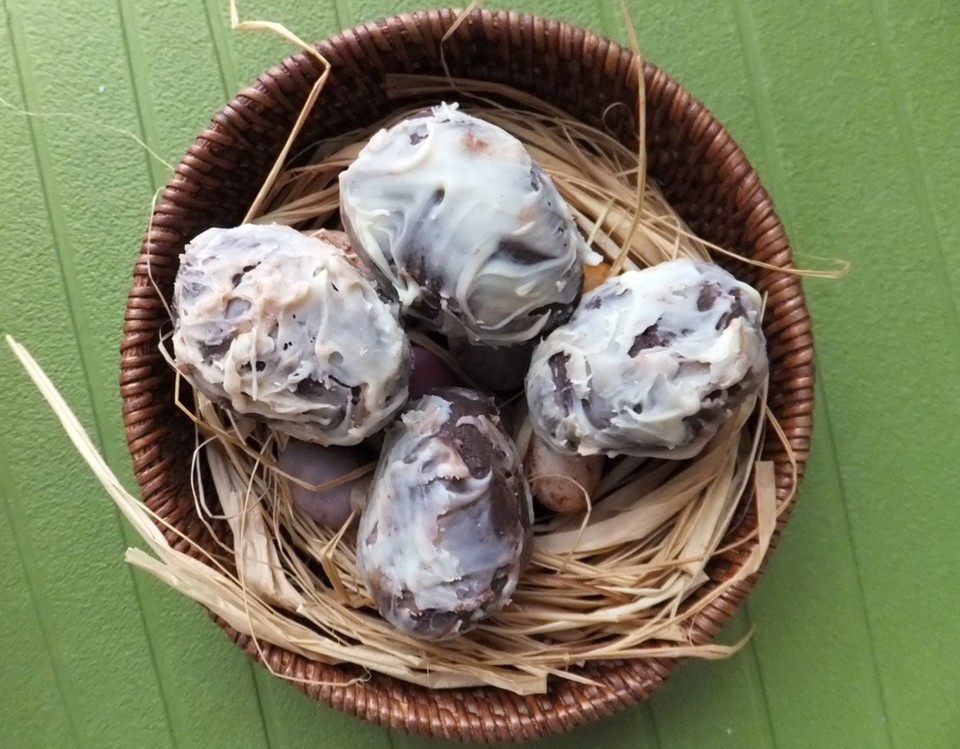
[{"x": 849, "y": 111}]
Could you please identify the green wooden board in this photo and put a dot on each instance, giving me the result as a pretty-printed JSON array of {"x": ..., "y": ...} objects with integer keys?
[{"x": 849, "y": 111}]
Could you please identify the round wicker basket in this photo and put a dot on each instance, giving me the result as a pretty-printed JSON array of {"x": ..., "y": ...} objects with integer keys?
[{"x": 693, "y": 158}]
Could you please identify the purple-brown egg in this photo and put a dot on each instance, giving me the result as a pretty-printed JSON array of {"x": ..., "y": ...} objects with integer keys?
[
  {"x": 429, "y": 372},
  {"x": 318, "y": 465},
  {"x": 446, "y": 530}
]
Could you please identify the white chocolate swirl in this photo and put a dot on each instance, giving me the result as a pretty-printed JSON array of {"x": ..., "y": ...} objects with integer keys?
[
  {"x": 281, "y": 326},
  {"x": 457, "y": 218},
  {"x": 445, "y": 533},
  {"x": 650, "y": 364}
]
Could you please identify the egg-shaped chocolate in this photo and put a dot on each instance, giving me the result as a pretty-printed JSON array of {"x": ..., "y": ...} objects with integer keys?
[
  {"x": 445, "y": 533},
  {"x": 650, "y": 364},
  {"x": 468, "y": 230},
  {"x": 314, "y": 475},
  {"x": 275, "y": 324}
]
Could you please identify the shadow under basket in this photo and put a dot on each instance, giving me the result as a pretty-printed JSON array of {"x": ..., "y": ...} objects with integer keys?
[{"x": 701, "y": 171}]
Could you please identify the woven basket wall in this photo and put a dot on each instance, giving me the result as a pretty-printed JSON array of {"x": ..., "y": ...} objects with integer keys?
[{"x": 702, "y": 172}]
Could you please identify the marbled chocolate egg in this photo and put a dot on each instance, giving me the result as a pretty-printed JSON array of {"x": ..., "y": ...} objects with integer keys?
[
  {"x": 469, "y": 232},
  {"x": 445, "y": 534},
  {"x": 275, "y": 324},
  {"x": 650, "y": 364}
]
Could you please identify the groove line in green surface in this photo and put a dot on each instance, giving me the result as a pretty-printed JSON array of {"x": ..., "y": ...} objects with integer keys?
[
  {"x": 78, "y": 319},
  {"x": 63, "y": 247},
  {"x": 148, "y": 133},
  {"x": 761, "y": 96},
  {"x": 608, "y": 17},
  {"x": 268, "y": 739},
  {"x": 344, "y": 14},
  {"x": 854, "y": 556},
  {"x": 32, "y": 593},
  {"x": 652, "y": 718},
  {"x": 753, "y": 659},
  {"x": 137, "y": 68},
  {"x": 919, "y": 187},
  {"x": 773, "y": 165},
  {"x": 221, "y": 47},
  {"x": 644, "y": 713}
]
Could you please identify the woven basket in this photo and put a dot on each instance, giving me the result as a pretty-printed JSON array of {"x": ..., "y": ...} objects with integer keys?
[{"x": 702, "y": 172}]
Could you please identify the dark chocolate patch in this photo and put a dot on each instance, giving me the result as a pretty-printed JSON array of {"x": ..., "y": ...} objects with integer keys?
[
  {"x": 331, "y": 402},
  {"x": 211, "y": 352},
  {"x": 736, "y": 310},
  {"x": 499, "y": 580},
  {"x": 310, "y": 388},
  {"x": 440, "y": 623},
  {"x": 469, "y": 442},
  {"x": 652, "y": 337},
  {"x": 354, "y": 390},
  {"x": 709, "y": 293},
  {"x": 521, "y": 252},
  {"x": 595, "y": 412},
  {"x": 561, "y": 380},
  {"x": 536, "y": 177}
]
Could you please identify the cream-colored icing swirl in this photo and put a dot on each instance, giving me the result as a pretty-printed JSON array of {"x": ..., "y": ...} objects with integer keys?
[
  {"x": 472, "y": 235},
  {"x": 280, "y": 325}
]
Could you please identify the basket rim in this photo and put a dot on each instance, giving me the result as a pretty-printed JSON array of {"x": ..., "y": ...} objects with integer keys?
[{"x": 481, "y": 713}]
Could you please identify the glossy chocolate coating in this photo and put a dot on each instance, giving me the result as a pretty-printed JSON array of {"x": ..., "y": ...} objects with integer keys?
[
  {"x": 651, "y": 363},
  {"x": 445, "y": 534},
  {"x": 465, "y": 227},
  {"x": 275, "y": 324}
]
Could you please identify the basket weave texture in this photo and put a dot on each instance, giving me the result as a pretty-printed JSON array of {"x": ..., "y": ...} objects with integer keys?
[{"x": 702, "y": 172}]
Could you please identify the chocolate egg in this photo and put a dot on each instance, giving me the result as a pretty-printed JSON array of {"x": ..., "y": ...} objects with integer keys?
[
  {"x": 429, "y": 372},
  {"x": 467, "y": 229},
  {"x": 278, "y": 325},
  {"x": 445, "y": 534},
  {"x": 320, "y": 466},
  {"x": 650, "y": 364}
]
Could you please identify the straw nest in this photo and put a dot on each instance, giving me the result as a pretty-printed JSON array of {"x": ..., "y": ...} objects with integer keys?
[{"x": 612, "y": 583}]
